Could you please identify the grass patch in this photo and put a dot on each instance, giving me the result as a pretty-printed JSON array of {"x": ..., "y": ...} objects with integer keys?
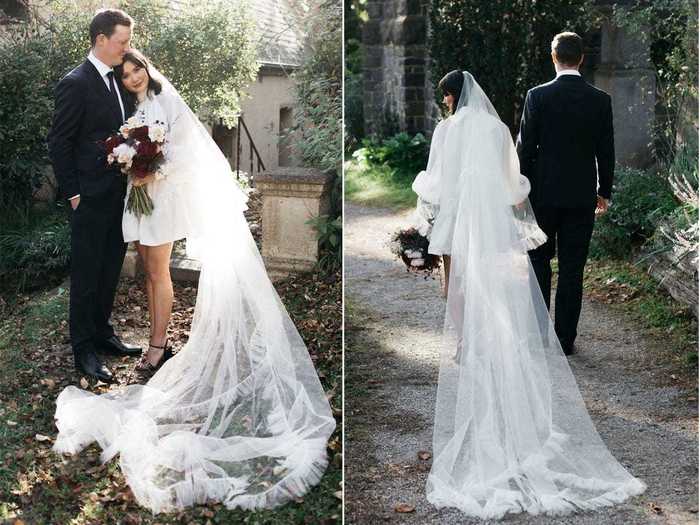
[
  {"x": 628, "y": 287},
  {"x": 378, "y": 186},
  {"x": 38, "y": 486}
]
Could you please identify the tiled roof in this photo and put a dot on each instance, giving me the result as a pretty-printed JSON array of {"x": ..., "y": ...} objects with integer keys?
[{"x": 280, "y": 35}]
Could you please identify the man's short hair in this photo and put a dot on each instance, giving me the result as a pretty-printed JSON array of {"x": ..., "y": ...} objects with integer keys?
[
  {"x": 105, "y": 22},
  {"x": 568, "y": 48}
]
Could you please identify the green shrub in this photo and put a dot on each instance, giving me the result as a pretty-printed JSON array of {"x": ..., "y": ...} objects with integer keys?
[
  {"x": 34, "y": 249},
  {"x": 208, "y": 51},
  {"x": 405, "y": 155},
  {"x": 317, "y": 132},
  {"x": 505, "y": 45},
  {"x": 640, "y": 200},
  {"x": 380, "y": 173}
]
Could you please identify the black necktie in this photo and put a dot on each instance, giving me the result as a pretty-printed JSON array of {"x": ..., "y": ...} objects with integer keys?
[{"x": 113, "y": 91}]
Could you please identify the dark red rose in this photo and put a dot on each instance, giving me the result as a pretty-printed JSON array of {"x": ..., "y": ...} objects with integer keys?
[
  {"x": 140, "y": 133},
  {"x": 140, "y": 167},
  {"x": 112, "y": 142},
  {"x": 147, "y": 149}
]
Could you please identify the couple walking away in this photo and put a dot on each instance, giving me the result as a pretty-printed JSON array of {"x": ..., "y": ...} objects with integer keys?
[
  {"x": 238, "y": 415},
  {"x": 512, "y": 433}
]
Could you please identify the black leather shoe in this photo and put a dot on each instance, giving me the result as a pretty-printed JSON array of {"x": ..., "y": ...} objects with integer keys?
[
  {"x": 114, "y": 346},
  {"x": 569, "y": 350},
  {"x": 88, "y": 363}
]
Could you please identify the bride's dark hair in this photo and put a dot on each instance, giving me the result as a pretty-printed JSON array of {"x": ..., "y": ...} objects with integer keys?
[
  {"x": 451, "y": 84},
  {"x": 139, "y": 59}
]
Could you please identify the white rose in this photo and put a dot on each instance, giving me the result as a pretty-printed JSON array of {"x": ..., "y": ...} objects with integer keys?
[
  {"x": 412, "y": 254},
  {"x": 417, "y": 262},
  {"x": 110, "y": 158},
  {"x": 124, "y": 131},
  {"x": 124, "y": 153},
  {"x": 156, "y": 133},
  {"x": 132, "y": 122}
]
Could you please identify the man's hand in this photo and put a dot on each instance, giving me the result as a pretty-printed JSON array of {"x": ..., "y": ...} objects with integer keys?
[
  {"x": 602, "y": 206},
  {"x": 143, "y": 181},
  {"x": 74, "y": 202}
]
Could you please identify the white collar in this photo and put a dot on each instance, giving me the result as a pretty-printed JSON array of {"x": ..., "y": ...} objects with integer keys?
[
  {"x": 102, "y": 68},
  {"x": 568, "y": 72}
]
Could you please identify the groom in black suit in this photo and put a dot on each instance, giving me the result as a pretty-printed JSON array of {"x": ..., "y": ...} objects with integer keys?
[
  {"x": 91, "y": 104},
  {"x": 567, "y": 151}
]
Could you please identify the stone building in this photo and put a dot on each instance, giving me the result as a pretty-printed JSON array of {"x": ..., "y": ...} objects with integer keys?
[
  {"x": 398, "y": 94},
  {"x": 267, "y": 109}
]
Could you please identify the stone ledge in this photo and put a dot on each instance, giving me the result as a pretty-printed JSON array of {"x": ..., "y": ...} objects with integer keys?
[
  {"x": 293, "y": 176},
  {"x": 184, "y": 270}
]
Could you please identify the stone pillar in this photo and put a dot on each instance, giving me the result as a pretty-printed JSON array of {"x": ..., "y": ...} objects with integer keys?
[
  {"x": 627, "y": 74},
  {"x": 395, "y": 70},
  {"x": 290, "y": 197}
]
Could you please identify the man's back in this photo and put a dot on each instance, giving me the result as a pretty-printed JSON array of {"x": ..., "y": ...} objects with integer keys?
[{"x": 566, "y": 130}]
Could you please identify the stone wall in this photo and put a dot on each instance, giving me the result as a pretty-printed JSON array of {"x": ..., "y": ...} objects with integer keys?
[
  {"x": 396, "y": 79},
  {"x": 399, "y": 96},
  {"x": 627, "y": 74}
]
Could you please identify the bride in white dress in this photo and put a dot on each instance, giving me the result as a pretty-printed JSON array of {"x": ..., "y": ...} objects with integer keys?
[
  {"x": 238, "y": 415},
  {"x": 511, "y": 433}
]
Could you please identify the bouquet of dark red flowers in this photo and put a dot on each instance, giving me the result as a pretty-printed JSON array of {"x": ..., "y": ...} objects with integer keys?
[
  {"x": 138, "y": 151},
  {"x": 412, "y": 248}
]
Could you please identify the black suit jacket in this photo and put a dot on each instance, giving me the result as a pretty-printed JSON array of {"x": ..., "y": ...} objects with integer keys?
[
  {"x": 566, "y": 129},
  {"x": 85, "y": 114}
]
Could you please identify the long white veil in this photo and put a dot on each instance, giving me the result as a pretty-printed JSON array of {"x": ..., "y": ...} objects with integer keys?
[
  {"x": 238, "y": 415},
  {"x": 511, "y": 432}
]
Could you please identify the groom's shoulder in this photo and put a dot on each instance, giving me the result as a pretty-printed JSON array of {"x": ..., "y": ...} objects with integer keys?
[
  {"x": 542, "y": 88},
  {"x": 76, "y": 76},
  {"x": 603, "y": 95}
]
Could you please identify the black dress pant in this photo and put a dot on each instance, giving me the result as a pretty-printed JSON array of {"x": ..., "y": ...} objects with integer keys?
[
  {"x": 97, "y": 255},
  {"x": 569, "y": 233}
]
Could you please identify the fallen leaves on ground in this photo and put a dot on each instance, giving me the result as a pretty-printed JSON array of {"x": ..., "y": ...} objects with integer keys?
[
  {"x": 35, "y": 354},
  {"x": 404, "y": 508}
]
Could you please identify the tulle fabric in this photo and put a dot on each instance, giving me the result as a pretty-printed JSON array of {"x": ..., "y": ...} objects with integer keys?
[
  {"x": 238, "y": 415},
  {"x": 511, "y": 433}
]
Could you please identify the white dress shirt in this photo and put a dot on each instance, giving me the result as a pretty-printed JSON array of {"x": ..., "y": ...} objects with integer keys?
[
  {"x": 568, "y": 72},
  {"x": 103, "y": 69}
]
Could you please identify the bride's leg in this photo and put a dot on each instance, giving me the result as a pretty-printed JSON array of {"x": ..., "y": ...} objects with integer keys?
[
  {"x": 446, "y": 262},
  {"x": 143, "y": 254},
  {"x": 159, "y": 272}
]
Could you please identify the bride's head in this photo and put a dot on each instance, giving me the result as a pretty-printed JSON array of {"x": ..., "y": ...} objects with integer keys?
[
  {"x": 451, "y": 87},
  {"x": 136, "y": 74}
]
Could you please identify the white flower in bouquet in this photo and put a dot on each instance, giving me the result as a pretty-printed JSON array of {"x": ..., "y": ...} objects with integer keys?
[
  {"x": 417, "y": 262},
  {"x": 130, "y": 123},
  {"x": 156, "y": 133},
  {"x": 412, "y": 254},
  {"x": 124, "y": 154}
]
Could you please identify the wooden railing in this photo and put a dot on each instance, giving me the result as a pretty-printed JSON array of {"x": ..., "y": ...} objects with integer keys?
[{"x": 255, "y": 159}]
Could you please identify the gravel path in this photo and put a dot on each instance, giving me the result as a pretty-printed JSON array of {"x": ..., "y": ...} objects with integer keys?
[{"x": 391, "y": 375}]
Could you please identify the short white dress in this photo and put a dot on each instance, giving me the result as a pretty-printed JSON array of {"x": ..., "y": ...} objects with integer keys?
[{"x": 172, "y": 217}]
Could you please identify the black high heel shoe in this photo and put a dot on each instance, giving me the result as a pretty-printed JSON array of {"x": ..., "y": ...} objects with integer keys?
[{"x": 145, "y": 366}]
